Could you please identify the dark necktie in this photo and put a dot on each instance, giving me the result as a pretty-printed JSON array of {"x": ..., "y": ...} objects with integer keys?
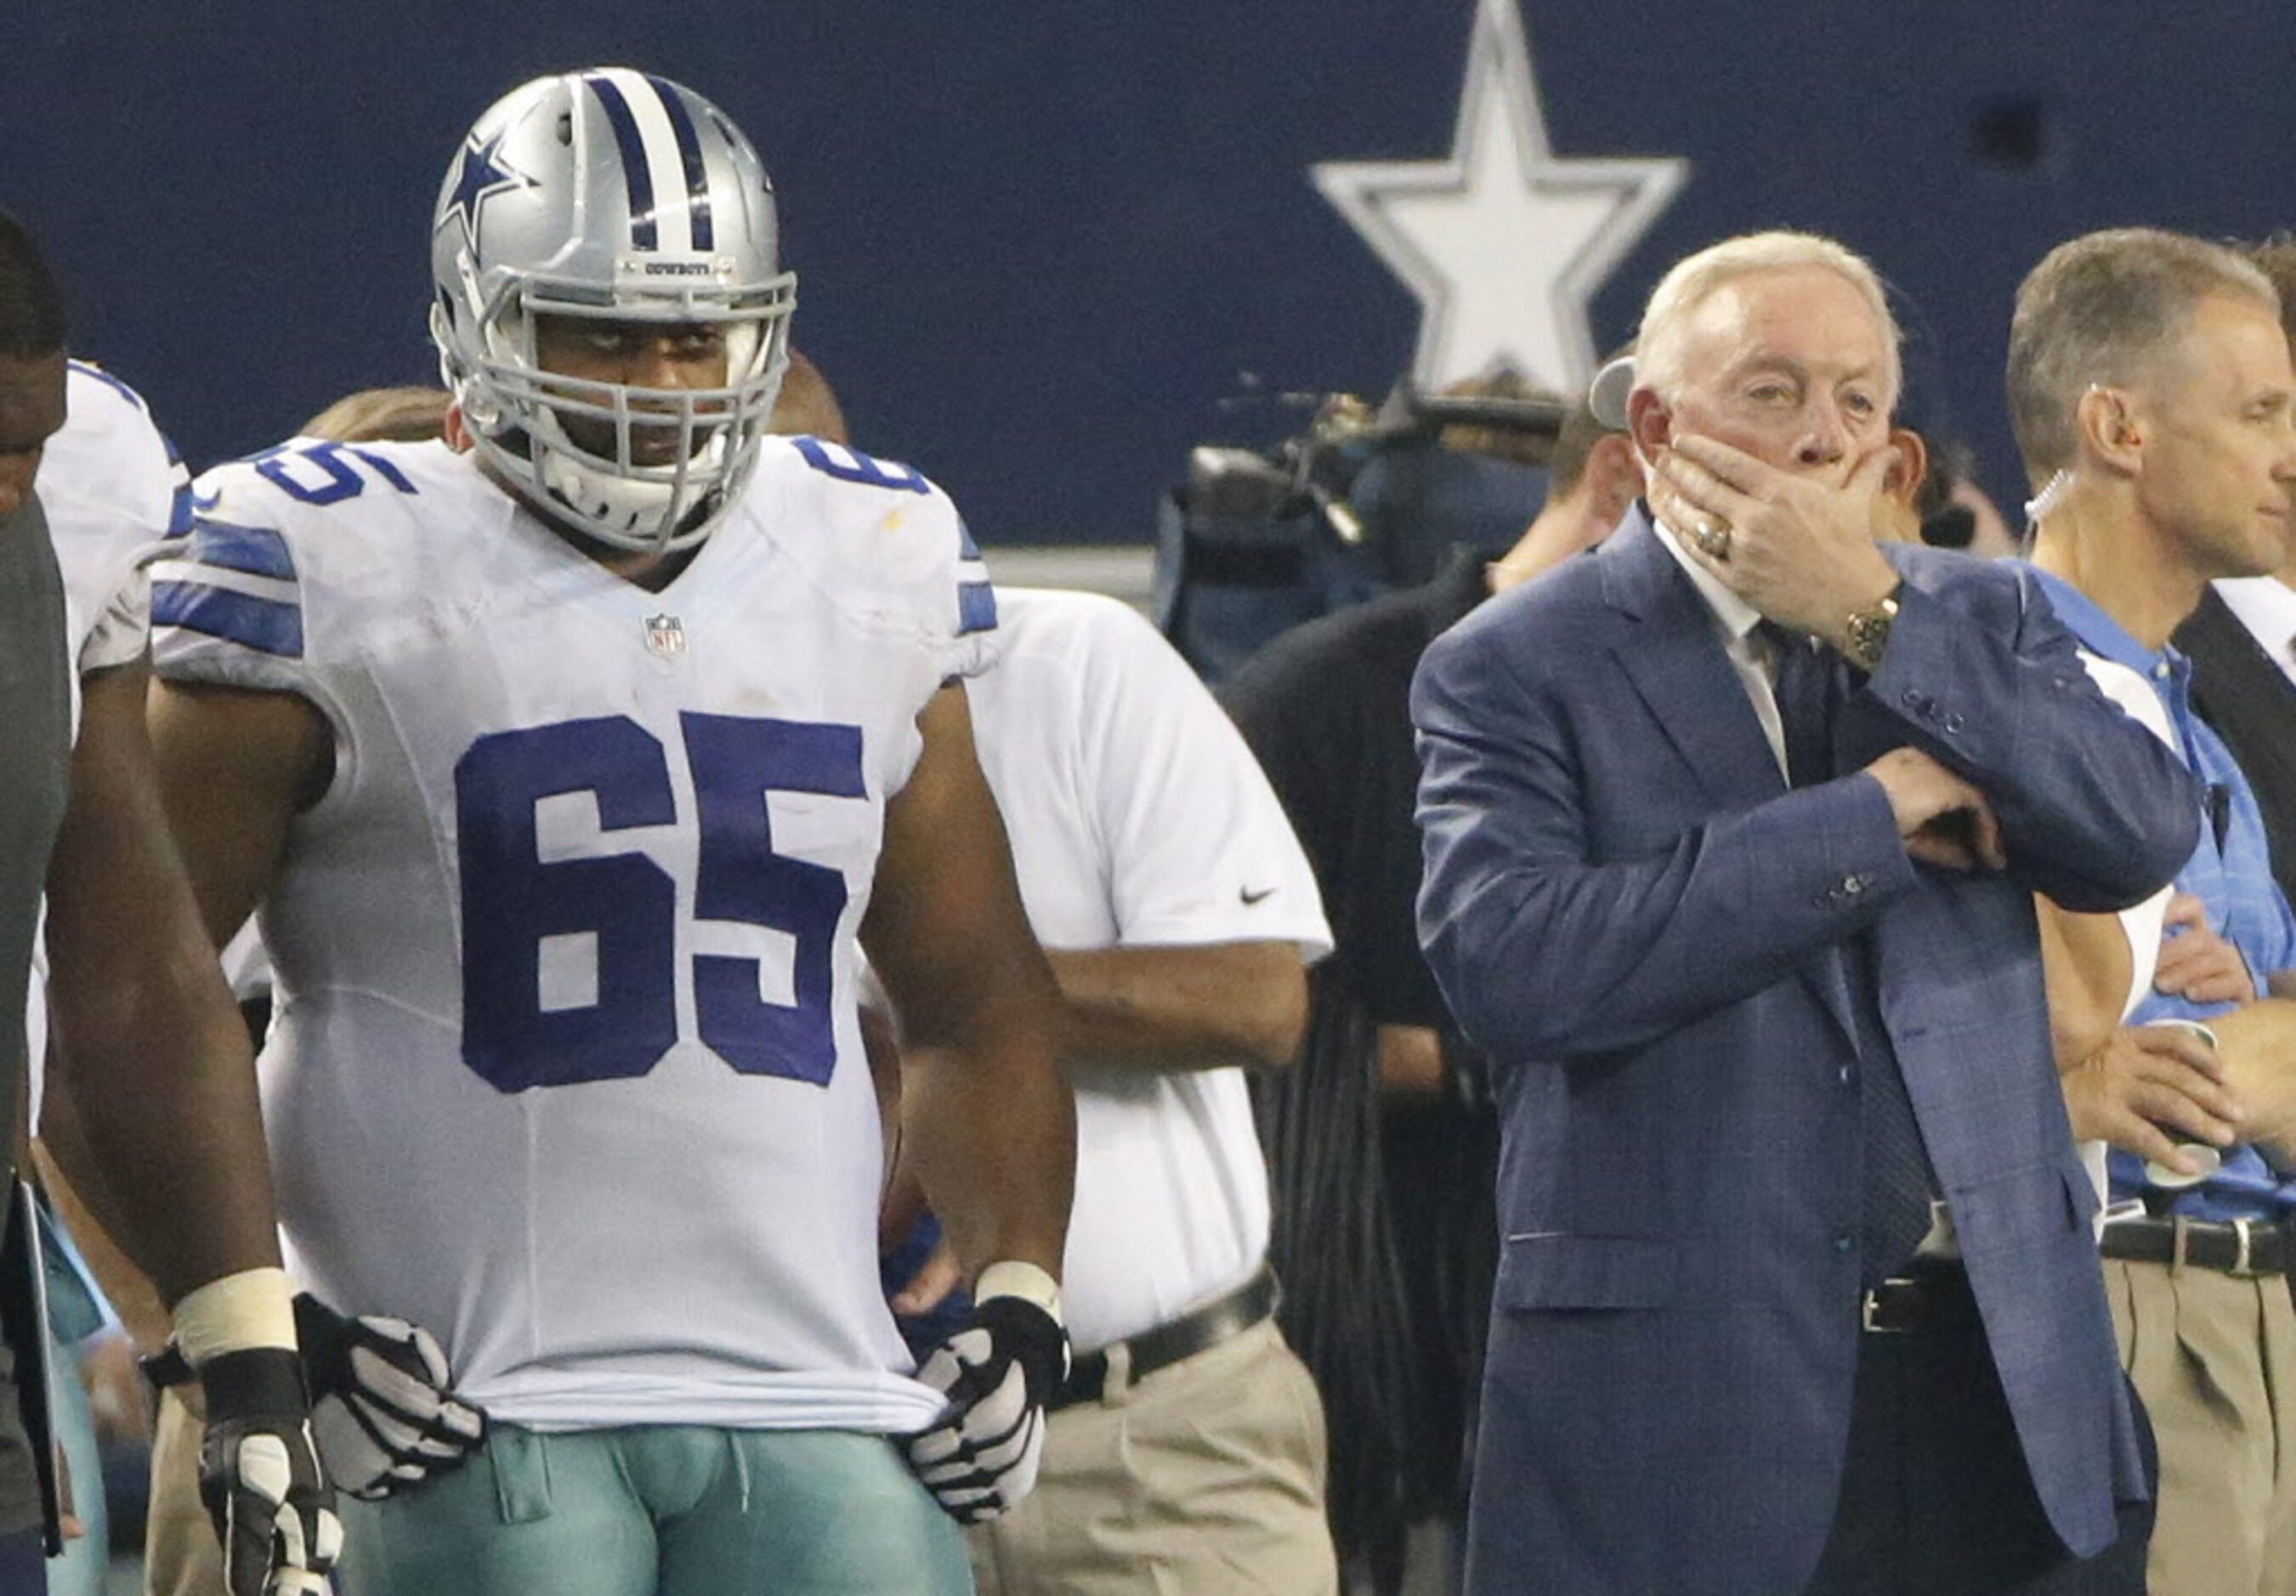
[
  {"x": 1896, "y": 1198},
  {"x": 1803, "y": 686}
]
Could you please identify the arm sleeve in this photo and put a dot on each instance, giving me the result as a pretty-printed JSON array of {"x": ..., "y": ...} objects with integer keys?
[
  {"x": 1303, "y": 732},
  {"x": 1200, "y": 850},
  {"x": 123, "y": 629},
  {"x": 970, "y": 645},
  {"x": 2141, "y": 923},
  {"x": 891, "y": 542},
  {"x": 1543, "y": 953},
  {"x": 115, "y": 488},
  {"x": 228, "y": 597},
  {"x": 2095, "y": 815}
]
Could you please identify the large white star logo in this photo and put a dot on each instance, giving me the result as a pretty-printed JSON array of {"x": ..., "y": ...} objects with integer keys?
[{"x": 1504, "y": 243}]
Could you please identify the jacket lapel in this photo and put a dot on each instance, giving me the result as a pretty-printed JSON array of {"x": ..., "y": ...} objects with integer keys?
[
  {"x": 1676, "y": 661},
  {"x": 1675, "y": 658}
]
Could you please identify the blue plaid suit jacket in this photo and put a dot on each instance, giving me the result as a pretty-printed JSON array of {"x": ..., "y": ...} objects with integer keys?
[{"x": 1627, "y": 907}]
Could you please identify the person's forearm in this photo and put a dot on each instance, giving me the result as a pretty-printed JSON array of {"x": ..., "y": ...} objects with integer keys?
[
  {"x": 2088, "y": 964},
  {"x": 988, "y": 1124},
  {"x": 991, "y": 1135},
  {"x": 147, "y": 1036},
  {"x": 1208, "y": 1006},
  {"x": 189, "y": 1174}
]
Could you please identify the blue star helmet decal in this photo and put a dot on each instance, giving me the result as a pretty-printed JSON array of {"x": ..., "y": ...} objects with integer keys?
[{"x": 482, "y": 174}]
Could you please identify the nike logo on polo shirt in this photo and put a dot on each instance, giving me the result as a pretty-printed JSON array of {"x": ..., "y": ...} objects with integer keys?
[{"x": 1250, "y": 897}]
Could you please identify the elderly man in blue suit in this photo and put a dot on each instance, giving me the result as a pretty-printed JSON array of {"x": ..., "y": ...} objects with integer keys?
[{"x": 1730, "y": 833}]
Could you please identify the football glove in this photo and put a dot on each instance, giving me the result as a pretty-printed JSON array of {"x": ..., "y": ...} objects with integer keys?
[
  {"x": 261, "y": 1478},
  {"x": 383, "y": 1406},
  {"x": 980, "y": 1458}
]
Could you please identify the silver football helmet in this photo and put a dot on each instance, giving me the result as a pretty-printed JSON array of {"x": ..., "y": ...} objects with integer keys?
[{"x": 619, "y": 197}]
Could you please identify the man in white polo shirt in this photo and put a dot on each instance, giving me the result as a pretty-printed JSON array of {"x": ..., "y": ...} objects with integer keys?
[{"x": 1187, "y": 1450}]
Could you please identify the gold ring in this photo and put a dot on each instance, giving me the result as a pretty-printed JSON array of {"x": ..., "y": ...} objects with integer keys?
[{"x": 1713, "y": 539}]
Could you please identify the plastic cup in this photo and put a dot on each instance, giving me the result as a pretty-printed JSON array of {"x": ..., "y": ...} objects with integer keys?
[{"x": 2205, "y": 1159}]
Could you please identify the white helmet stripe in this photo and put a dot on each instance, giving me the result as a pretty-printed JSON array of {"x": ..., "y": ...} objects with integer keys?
[
  {"x": 697, "y": 218},
  {"x": 661, "y": 204}
]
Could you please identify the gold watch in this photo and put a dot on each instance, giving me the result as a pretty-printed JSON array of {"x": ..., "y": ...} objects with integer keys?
[{"x": 1867, "y": 633}]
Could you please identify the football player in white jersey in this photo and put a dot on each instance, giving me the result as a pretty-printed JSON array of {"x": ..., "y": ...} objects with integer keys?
[
  {"x": 111, "y": 486},
  {"x": 152, "y": 1106},
  {"x": 567, "y": 760}
]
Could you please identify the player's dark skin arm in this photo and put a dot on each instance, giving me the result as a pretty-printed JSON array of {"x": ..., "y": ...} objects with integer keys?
[
  {"x": 91, "y": 1217},
  {"x": 1200, "y": 1007},
  {"x": 236, "y": 767},
  {"x": 150, "y": 1047},
  {"x": 989, "y": 1124}
]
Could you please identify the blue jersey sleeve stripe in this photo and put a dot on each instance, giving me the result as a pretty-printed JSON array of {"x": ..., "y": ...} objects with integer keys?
[
  {"x": 182, "y": 504},
  {"x": 634, "y": 170},
  {"x": 967, "y": 549},
  {"x": 110, "y": 382},
  {"x": 257, "y": 551},
  {"x": 264, "y": 625},
  {"x": 976, "y": 606},
  {"x": 866, "y": 470}
]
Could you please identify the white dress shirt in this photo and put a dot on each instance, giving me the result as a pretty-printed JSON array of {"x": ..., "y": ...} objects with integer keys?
[{"x": 1734, "y": 620}]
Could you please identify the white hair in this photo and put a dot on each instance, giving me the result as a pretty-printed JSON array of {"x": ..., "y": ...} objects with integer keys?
[{"x": 1694, "y": 279}]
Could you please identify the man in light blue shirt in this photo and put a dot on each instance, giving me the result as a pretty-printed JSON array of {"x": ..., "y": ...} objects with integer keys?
[{"x": 2151, "y": 387}]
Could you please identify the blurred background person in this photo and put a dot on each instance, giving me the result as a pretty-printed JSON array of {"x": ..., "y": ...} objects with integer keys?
[
  {"x": 2242, "y": 642},
  {"x": 1381, "y": 1140},
  {"x": 149, "y": 1099},
  {"x": 2150, "y": 384},
  {"x": 1186, "y": 1448}
]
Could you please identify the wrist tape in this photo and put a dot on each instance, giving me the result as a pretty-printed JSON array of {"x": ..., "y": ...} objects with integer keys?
[
  {"x": 1027, "y": 1282},
  {"x": 255, "y": 1307}
]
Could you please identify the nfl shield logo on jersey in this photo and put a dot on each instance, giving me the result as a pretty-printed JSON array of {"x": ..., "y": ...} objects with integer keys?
[{"x": 665, "y": 635}]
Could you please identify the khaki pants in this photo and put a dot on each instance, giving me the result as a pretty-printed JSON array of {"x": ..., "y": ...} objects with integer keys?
[
  {"x": 181, "y": 1554},
  {"x": 2214, "y": 1357},
  {"x": 1204, "y": 1479}
]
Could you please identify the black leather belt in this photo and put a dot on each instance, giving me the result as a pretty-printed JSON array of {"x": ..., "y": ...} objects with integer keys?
[
  {"x": 1199, "y": 1330},
  {"x": 2239, "y": 1247},
  {"x": 1922, "y": 1303}
]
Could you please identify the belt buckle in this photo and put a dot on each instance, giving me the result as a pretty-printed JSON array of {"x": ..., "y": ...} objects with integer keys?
[
  {"x": 1867, "y": 1303},
  {"x": 2243, "y": 1266}
]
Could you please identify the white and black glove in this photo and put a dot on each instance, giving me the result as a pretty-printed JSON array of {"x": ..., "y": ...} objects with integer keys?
[
  {"x": 383, "y": 1401},
  {"x": 979, "y": 1458},
  {"x": 261, "y": 1478}
]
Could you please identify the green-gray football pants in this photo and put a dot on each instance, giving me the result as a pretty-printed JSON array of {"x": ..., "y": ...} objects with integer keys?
[{"x": 660, "y": 1511}]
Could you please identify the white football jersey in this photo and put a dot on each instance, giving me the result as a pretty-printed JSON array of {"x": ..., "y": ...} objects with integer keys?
[
  {"x": 112, "y": 487},
  {"x": 565, "y": 1063}
]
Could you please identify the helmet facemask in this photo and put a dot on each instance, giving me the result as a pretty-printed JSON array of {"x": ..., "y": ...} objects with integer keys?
[{"x": 636, "y": 467}]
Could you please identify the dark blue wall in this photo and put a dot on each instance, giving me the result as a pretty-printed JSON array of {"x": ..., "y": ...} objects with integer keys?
[{"x": 1037, "y": 243}]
